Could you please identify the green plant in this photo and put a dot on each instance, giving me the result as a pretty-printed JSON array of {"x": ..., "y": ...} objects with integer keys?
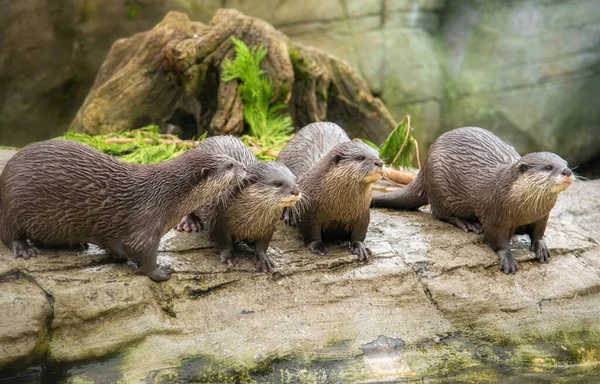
[
  {"x": 141, "y": 146},
  {"x": 398, "y": 149},
  {"x": 267, "y": 123}
]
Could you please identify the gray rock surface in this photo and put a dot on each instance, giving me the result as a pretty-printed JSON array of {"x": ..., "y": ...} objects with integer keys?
[
  {"x": 430, "y": 303},
  {"x": 526, "y": 69}
]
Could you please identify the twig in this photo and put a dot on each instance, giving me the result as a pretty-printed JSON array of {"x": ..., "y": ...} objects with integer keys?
[
  {"x": 124, "y": 140},
  {"x": 398, "y": 177}
]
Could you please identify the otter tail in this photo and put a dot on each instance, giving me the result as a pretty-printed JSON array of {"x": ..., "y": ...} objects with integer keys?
[{"x": 409, "y": 198}]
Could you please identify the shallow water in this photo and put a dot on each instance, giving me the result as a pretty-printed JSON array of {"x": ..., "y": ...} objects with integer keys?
[{"x": 202, "y": 370}]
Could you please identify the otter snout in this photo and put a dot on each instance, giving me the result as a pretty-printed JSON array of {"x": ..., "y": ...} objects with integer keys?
[
  {"x": 563, "y": 180},
  {"x": 378, "y": 163},
  {"x": 292, "y": 198}
]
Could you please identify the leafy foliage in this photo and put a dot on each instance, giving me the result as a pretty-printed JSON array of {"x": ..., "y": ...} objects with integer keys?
[
  {"x": 144, "y": 148},
  {"x": 267, "y": 124},
  {"x": 398, "y": 149}
]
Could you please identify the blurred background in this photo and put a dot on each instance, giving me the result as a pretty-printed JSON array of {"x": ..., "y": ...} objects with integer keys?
[{"x": 529, "y": 70}]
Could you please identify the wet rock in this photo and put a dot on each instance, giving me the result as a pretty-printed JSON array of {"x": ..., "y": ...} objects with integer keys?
[
  {"x": 23, "y": 319},
  {"x": 430, "y": 303}
]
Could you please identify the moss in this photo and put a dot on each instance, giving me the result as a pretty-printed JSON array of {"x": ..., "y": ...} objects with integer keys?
[{"x": 300, "y": 66}]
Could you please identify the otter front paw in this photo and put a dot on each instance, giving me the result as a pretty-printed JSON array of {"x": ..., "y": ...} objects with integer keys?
[
  {"x": 161, "y": 273},
  {"x": 508, "y": 264},
  {"x": 358, "y": 248},
  {"x": 190, "y": 223},
  {"x": 469, "y": 225},
  {"x": 24, "y": 250},
  {"x": 541, "y": 250},
  {"x": 287, "y": 216},
  {"x": 318, "y": 248},
  {"x": 227, "y": 257},
  {"x": 263, "y": 263}
]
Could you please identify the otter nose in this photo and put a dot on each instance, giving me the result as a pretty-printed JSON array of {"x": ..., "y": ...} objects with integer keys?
[
  {"x": 566, "y": 172},
  {"x": 295, "y": 191},
  {"x": 379, "y": 163}
]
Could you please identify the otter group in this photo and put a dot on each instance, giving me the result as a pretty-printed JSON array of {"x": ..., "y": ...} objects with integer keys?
[{"x": 60, "y": 193}]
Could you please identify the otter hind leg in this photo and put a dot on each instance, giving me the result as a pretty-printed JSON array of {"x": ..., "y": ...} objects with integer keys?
[{"x": 22, "y": 249}]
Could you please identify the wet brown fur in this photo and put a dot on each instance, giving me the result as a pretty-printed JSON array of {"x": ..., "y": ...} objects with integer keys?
[
  {"x": 61, "y": 192},
  {"x": 478, "y": 182},
  {"x": 249, "y": 211},
  {"x": 331, "y": 170}
]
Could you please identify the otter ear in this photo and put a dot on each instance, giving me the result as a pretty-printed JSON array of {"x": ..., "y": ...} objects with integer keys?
[
  {"x": 336, "y": 158},
  {"x": 204, "y": 173},
  {"x": 523, "y": 167}
]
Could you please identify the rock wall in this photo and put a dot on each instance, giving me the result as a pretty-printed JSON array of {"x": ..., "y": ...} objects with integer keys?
[{"x": 526, "y": 69}]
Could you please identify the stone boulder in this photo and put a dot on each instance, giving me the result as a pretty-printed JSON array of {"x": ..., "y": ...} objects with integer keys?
[
  {"x": 171, "y": 75},
  {"x": 430, "y": 304},
  {"x": 527, "y": 70}
]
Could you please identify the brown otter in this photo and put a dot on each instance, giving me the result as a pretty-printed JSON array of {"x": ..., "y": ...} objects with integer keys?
[
  {"x": 249, "y": 211},
  {"x": 479, "y": 183},
  {"x": 335, "y": 176},
  {"x": 227, "y": 145},
  {"x": 63, "y": 192}
]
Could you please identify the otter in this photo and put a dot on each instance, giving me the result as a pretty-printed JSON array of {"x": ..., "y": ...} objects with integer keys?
[
  {"x": 227, "y": 145},
  {"x": 476, "y": 181},
  {"x": 335, "y": 176},
  {"x": 249, "y": 211},
  {"x": 64, "y": 193}
]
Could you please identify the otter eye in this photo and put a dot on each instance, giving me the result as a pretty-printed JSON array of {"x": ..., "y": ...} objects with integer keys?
[
  {"x": 548, "y": 167},
  {"x": 360, "y": 158},
  {"x": 230, "y": 166},
  {"x": 278, "y": 184}
]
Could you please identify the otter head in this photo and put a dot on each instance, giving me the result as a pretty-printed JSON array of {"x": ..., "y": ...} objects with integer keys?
[
  {"x": 357, "y": 161},
  {"x": 273, "y": 183},
  {"x": 214, "y": 172},
  {"x": 544, "y": 172}
]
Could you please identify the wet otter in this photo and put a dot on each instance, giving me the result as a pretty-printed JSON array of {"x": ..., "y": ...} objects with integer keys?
[
  {"x": 479, "y": 183},
  {"x": 249, "y": 211},
  {"x": 227, "y": 145},
  {"x": 60, "y": 192},
  {"x": 335, "y": 176}
]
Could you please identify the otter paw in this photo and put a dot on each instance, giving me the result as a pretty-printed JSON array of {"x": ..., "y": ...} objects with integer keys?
[
  {"x": 541, "y": 250},
  {"x": 24, "y": 250},
  {"x": 469, "y": 225},
  {"x": 264, "y": 263},
  {"x": 288, "y": 217},
  {"x": 227, "y": 257},
  {"x": 318, "y": 248},
  {"x": 508, "y": 264},
  {"x": 190, "y": 223},
  {"x": 161, "y": 273},
  {"x": 361, "y": 251}
]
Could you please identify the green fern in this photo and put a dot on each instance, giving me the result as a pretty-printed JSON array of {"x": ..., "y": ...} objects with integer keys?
[
  {"x": 266, "y": 122},
  {"x": 138, "y": 151}
]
